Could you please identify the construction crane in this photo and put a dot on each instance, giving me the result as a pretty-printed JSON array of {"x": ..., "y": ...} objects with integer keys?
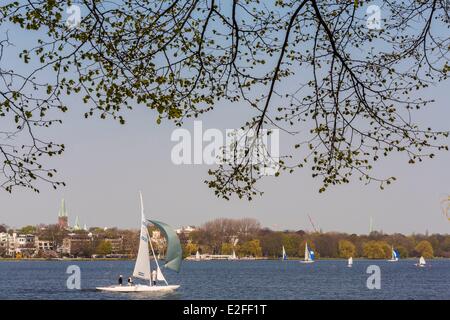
[{"x": 312, "y": 224}]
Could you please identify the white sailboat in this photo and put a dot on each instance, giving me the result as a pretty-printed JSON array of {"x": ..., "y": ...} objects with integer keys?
[
  {"x": 233, "y": 256},
  {"x": 284, "y": 257},
  {"x": 309, "y": 255},
  {"x": 395, "y": 256},
  {"x": 142, "y": 268},
  {"x": 350, "y": 262},
  {"x": 422, "y": 263},
  {"x": 197, "y": 256}
]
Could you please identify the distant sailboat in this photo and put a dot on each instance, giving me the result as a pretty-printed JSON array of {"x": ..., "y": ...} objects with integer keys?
[
  {"x": 197, "y": 256},
  {"x": 395, "y": 256},
  {"x": 142, "y": 268},
  {"x": 422, "y": 263},
  {"x": 350, "y": 262},
  {"x": 309, "y": 255},
  {"x": 284, "y": 257},
  {"x": 233, "y": 256}
]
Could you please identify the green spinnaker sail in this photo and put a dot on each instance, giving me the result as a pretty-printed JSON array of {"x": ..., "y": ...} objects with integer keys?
[{"x": 174, "y": 253}]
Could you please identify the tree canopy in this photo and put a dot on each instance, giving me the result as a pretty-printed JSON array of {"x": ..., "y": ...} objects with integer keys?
[{"x": 344, "y": 92}]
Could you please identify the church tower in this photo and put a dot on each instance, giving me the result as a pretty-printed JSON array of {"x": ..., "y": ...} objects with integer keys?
[{"x": 62, "y": 216}]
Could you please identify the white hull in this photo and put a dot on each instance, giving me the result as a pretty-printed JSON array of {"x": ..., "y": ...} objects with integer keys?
[
  {"x": 349, "y": 265},
  {"x": 139, "y": 288},
  {"x": 420, "y": 265},
  {"x": 306, "y": 261},
  {"x": 393, "y": 260}
]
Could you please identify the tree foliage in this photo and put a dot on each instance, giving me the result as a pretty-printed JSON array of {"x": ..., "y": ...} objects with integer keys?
[
  {"x": 346, "y": 249},
  {"x": 104, "y": 248},
  {"x": 425, "y": 249},
  {"x": 346, "y": 93}
]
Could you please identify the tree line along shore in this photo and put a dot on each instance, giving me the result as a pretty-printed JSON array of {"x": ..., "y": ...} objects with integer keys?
[{"x": 246, "y": 237}]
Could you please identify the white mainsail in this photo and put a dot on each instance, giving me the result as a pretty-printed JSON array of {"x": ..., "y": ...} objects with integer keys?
[
  {"x": 309, "y": 255},
  {"x": 142, "y": 266},
  {"x": 306, "y": 252},
  {"x": 350, "y": 261},
  {"x": 197, "y": 255},
  {"x": 284, "y": 254},
  {"x": 233, "y": 256}
]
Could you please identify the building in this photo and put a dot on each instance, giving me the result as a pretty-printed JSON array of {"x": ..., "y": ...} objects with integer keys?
[
  {"x": 3, "y": 243},
  {"x": 116, "y": 245},
  {"x": 44, "y": 245},
  {"x": 63, "y": 217},
  {"x": 185, "y": 230},
  {"x": 75, "y": 246},
  {"x": 20, "y": 245}
]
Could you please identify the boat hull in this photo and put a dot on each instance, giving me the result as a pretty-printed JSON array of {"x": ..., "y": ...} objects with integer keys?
[
  {"x": 393, "y": 260},
  {"x": 306, "y": 261},
  {"x": 139, "y": 288}
]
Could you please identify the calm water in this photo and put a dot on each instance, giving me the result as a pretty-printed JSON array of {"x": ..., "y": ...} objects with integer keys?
[{"x": 234, "y": 280}]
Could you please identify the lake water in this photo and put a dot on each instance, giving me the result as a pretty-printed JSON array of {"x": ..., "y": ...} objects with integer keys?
[{"x": 326, "y": 279}]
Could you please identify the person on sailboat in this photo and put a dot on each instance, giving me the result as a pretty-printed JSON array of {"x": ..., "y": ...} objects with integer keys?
[
  {"x": 154, "y": 276},
  {"x": 120, "y": 280},
  {"x": 130, "y": 281}
]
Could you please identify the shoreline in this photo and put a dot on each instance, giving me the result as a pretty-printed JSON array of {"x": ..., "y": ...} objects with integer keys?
[{"x": 184, "y": 260}]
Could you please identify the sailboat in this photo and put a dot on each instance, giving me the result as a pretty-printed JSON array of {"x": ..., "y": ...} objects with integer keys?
[
  {"x": 395, "y": 256},
  {"x": 309, "y": 255},
  {"x": 197, "y": 256},
  {"x": 422, "y": 263},
  {"x": 142, "y": 268},
  {"x": 284, "y": 257},
  {"x": 233, "y": 256},
  {"x": 350, "y": 262}
]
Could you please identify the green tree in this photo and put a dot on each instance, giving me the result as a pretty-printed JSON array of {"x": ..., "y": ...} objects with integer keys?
[
  {"x": 103, "y": 248},
  {"x": 291, "y": 242},
  {"x": 425, "y": 249},
  {"x": 376, "y": 250},
  {"x": 28, "y": 230},
  {"x": 251, "y": 248},
  {"x": 271, "y": 243},
  {"x": 189, "y": 249},
  {"x": 402, "y": 251},
  {"x": 178, "y": 59},
  {"x": 346, "y": 249},
  {"x": 227, "y": 248}
]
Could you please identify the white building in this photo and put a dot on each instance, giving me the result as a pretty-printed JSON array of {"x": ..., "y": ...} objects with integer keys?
[
  {"x": 20, "y": 244},
  {"x": 3, "y": 242},
  {"x": 44, "y": 245},
  {"x": 185, "y": 229}
]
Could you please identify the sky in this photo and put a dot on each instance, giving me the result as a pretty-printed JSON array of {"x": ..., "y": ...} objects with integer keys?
[{"x": 105, "y": 166}]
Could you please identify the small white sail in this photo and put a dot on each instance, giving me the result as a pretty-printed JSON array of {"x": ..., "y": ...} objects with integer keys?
[
  {"x": 142, "y": 266},
  {"x": 350, "y": 261},
  {"x": 422, "y": 261},
  {"x": 233, "y": 256},
  {"x": 284, "y": 254},
  {"x": 197, "y": 255}
]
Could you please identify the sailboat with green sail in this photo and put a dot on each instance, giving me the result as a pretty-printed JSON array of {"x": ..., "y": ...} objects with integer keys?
[{"x": 143, "y": 268}]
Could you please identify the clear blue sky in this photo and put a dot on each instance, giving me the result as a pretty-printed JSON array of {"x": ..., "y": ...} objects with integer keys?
[{"x": 105, "y": 165}]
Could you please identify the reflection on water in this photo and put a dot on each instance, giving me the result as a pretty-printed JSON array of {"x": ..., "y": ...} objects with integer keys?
[{"x": 327, "y": 279}]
